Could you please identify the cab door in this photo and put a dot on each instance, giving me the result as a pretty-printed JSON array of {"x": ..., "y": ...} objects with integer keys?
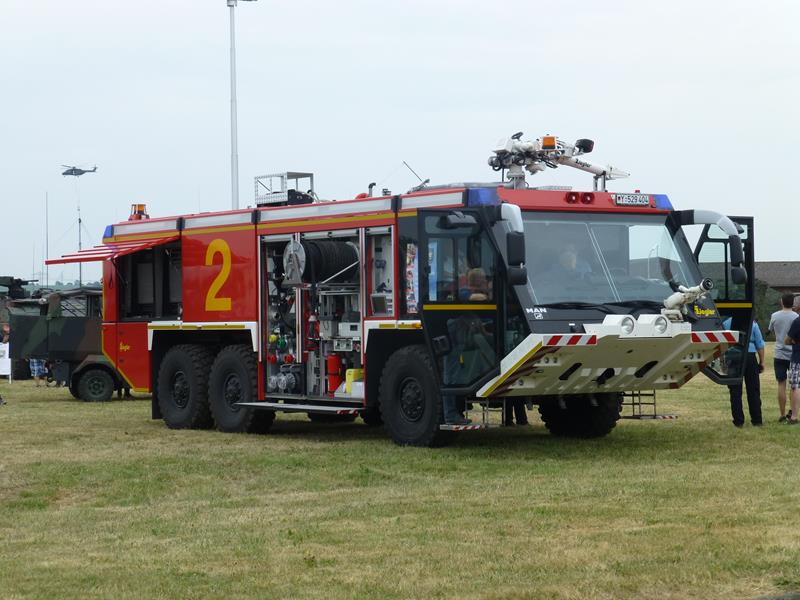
[
  {"x": 734, "y": 301},
  {"x": 460, "y": 292}
]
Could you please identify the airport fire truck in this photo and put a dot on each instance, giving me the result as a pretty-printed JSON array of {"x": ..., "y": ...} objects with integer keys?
[{"x": 388, "y": 307}]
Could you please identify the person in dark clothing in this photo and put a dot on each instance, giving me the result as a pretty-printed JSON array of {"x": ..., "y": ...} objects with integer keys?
[
  {"x": 752, "y": 366},
  {"x": 793, "y": 377},
  {"x": 514, "y": 408}
]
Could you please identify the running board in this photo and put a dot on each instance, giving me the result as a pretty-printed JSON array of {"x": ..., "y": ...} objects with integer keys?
[
  {"x": 309, "y": 408},
  {"x": 470, "y": 427},
  {"x": 650, "y": 417}
]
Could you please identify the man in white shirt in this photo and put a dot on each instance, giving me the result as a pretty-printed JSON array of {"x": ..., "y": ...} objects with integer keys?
[{"x": 779, "y": 324}]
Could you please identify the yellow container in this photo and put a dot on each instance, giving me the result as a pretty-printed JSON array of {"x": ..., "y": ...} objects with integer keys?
[{"x": 350, "y": 376}]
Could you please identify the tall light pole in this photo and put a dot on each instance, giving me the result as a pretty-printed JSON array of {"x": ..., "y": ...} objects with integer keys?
[{"x": 234, "y": 125}]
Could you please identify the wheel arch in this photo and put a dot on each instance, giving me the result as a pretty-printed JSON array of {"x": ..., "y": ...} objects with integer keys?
[
  {"x": 381, "y": 345},
  {"x": 164, "y": 340},
  {"x": 95, "y": 362}
]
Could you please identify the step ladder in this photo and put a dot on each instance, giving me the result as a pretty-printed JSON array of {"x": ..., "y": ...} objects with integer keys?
[
  {"x": 482, "y": 416},
  {"x": 642, "y": 406}
]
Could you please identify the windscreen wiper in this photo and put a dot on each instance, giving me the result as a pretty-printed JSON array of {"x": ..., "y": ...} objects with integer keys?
[
  {"x": 635, "y": 304},
  {"x": 579, "y": 305}
]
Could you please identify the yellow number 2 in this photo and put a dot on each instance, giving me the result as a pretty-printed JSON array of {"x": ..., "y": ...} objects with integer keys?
[{"x": 214, "y": 302}]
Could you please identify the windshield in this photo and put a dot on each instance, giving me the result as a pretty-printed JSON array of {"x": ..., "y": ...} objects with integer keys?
[{"x": 605, "y": 258}]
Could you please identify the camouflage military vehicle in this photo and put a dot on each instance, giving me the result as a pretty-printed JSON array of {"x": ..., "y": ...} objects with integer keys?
[
  {"x": 63, "y": 327},
  {"x": 12, "y": 288}
]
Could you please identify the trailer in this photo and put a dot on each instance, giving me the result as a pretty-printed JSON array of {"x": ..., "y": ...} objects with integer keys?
[{"x": 405, "y": 308}]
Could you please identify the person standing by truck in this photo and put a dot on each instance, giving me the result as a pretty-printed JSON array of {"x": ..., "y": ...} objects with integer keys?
[
  {"x": 779, "y": 324},
  {"x": 793, "y": 338},
  {"x": 752, "y": 365},
  {"x": 38, "y": 371}
]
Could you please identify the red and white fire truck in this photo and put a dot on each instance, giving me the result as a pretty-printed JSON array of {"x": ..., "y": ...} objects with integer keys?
[{"x": 389, "y": 307}]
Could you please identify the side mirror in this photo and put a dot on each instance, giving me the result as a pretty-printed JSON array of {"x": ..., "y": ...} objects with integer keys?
[
  {"x": 517, "y": 275},
  {"x": 515, "y": 248},
  {"x": 458, "y": 220},
  {"x": 737, "y": 252},
  {"x": 738, "y": 275}
]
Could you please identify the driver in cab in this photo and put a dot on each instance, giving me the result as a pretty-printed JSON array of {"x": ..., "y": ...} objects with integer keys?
[{"x": 569, "y": 264}]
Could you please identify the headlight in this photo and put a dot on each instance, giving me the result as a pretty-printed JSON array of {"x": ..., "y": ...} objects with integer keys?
[
  {"x": 660, "y": 325},
  {"x": 627, "y": 324}
]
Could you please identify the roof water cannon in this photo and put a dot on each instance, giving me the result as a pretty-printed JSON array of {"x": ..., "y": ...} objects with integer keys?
[
  {"x": 518, "y": 156},
  {"x": 677, "y": 302}
]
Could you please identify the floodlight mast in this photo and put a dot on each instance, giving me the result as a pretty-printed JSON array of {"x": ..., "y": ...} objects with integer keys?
[
  {"x": 234, "y": 121},
  {"x": 518, "y": 156}
]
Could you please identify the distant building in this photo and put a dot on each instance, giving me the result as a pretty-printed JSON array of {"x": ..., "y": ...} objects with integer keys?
[{"x": 782, "y": 276}]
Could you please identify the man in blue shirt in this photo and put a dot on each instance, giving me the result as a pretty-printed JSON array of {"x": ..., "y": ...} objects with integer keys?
[{"x": 753, "y": 366}]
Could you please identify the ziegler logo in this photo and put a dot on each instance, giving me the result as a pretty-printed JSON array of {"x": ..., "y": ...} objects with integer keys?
[
  {"x": 703, "y": 312},
  {"x": 123, "y": 347}
]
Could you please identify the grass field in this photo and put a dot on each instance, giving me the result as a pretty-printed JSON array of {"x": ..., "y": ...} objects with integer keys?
[{"x": 99, "y": 501}]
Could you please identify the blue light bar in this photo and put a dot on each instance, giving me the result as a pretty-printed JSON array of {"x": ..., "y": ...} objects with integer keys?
[
  {"x": 482, "y": 197},
  {"x": 109, "y": 232},
  {"x": 662, "y": 202}
]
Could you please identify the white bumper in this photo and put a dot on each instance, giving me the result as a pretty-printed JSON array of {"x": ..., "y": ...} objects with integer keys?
[{"x": 602, "y": 361}]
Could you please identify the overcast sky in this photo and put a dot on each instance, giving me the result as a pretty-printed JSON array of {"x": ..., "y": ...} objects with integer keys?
[{"x": 698, "y": 100}]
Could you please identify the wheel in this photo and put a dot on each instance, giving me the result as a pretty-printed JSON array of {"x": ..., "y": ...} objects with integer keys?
[
  {"x": 371, "y": 416},
  {"x": 183, "y": 387},
  {"x": 582, "y": 416},
  {"x": 73, "y": 389},
  {"x": 234, "y": 378},
  {"x": 95, "y": 385},
  {"x": 329, "y": 418},
  {"x": 410, "y": 403}
]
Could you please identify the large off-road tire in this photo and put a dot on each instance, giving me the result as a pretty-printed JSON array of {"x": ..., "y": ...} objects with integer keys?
[
  {"x": 183, "y": 387},
  {"x": 372, "y": 416},
  {"x": 330, "y": 418},
  {"x": 410, "y": 402},
  {"x": 581, "y": 416},
  {"x": 73, "y": 389},
  {"x": 95, "y": 385},
  {"x": 234, "y": 378}
]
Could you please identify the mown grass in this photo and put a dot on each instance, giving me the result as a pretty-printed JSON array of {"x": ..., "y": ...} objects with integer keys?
[{"x": 97, "y": 500}]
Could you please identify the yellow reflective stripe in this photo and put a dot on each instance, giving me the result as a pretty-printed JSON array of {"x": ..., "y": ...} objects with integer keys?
[
  {"x": 459, "y": 307},
  {"x": 140, "y": 236},
  {"x": 194, "y": 327},
  {"x": 734, "y": 305},
  {"x": 514, "y": 368},
  {"x": 324, "y": 220},
  {"x": 416, "y": 325},
  {"x": 220, "y": 229}
]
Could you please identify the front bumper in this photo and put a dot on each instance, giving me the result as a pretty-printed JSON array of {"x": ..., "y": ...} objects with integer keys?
[{"x": 604, "y": 361}]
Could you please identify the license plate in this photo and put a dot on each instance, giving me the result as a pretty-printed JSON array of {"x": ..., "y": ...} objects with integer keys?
[{"x": 631, "y": 199}]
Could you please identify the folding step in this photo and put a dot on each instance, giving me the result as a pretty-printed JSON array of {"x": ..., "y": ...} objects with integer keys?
[
  {"x": 642, "y": 406},
  {"x": 668, "y": 417},
  {"x": 470, "y": 427},
  {"x": 312, "y": 408}
]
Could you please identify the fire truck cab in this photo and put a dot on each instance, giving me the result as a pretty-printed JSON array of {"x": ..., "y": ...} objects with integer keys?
[{"x": 390, "y": 307}]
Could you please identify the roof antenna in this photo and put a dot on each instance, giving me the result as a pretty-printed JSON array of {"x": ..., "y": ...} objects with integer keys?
[{"x": 422, "y": 183}]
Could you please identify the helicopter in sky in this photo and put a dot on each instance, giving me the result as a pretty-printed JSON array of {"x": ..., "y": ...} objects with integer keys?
[{"x": 76, "y": 171}]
